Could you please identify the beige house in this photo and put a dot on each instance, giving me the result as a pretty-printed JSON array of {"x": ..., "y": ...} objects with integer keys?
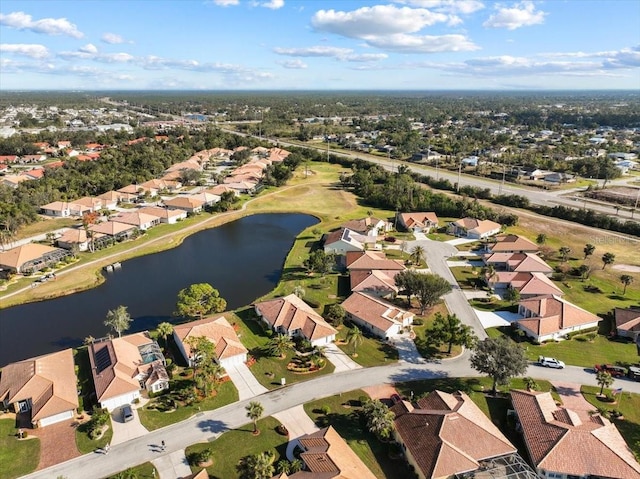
[
  {"x": 115, "y": 229},
  {"x": 447, "y": 434},
  {"x": 379, "y": 317},
  {"x": 292, "y": 316},
  {"x": 518, "y": 262},
  {"x": 29, "y": 258},
  {"x": 422, "y": 222},
  {"x": 551, "y": 317},
  {"x": 122, "y": 367},
  {"x": 229, "y": 349},
  {"x": 627, "y": 322},
  {"x": 76, "y": 237},
  {"x": 473, "y": 228},
  {"x": 327, "y": 456},
  {"x": 512, "y": 244},
  {"x": 93, "y": 203},
  {"x": 368, "y": 260},
  {"x": 185, "y": 203},
  {"x": 64, "y": 209},
  {"x": 110, "y": 199},
  {"x": 374, "y": 281},
  {"x": 563, "y": 443},
  {"x": 527, "y": 284},
  {"x": 142, "y": 221},
  {"x": 368, "y": 226},
  {"x": 165, "y": 214},
  {"x": 43, "y": 388}
]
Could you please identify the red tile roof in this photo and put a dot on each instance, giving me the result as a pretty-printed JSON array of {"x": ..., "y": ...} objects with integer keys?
[
  {"x": 552, "y": 314},
  {"x": 558, "y": 441},
  {"x": 216, "y": 330},
  {"x": 368, "y": 260}
]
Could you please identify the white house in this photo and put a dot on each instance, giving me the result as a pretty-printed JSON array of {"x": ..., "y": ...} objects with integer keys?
[
  {"x": 473, "y": 228},
  {"x": 379, "y": 317},
  {"x": 165, "y": 214},
  {"x": 418, "y": 222},
  {"x": 342, "y": 241}
]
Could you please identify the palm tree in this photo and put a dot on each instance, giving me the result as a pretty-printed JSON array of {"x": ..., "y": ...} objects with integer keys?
[
  {"x": 257, "y": 466},
  {"x": 607, "y": 259},
  {"x": 604, "y": 379},
  {"x": 564, "y": 253},
  {"x": 279, "y": 345},
  {"x": 164, "y": 331},
  {"x": 530, "y": 384},
  {"x": 417, "y": 255},
  {"x": 626, "y": 280},
  {"x": 354, "y": 337},
  {"x": 379, "y": 418},
  {"x": 588, "y": 250},
  {"x": 489, "y": 273},
  {"x": 254, "y": 412}
]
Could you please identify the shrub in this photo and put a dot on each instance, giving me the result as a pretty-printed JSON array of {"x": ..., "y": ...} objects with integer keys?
[
  {"x": 325, "y": 410},
  {"x": 200, "y": 457}
]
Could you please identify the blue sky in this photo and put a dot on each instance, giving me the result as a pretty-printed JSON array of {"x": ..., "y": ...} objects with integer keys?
[{"x": 319, "y": 44}]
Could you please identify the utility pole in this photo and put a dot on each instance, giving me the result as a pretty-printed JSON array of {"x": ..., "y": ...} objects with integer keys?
[
  {"x": 502, "y": 182},
  {"x": 459, "y": 175}
]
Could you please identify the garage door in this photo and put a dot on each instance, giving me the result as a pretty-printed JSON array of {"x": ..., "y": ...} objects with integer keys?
[{"x": 63, "y": 416}]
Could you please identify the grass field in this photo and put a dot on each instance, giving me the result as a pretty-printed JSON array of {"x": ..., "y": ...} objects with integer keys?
[
  {"x": 233, "y": 445},
  {"x": 153, "y": 419},
  {"x": 372, "y": 352},
  {"x": 580, "y": 352},
  {"x": 422, "y": 341},
  {"x": 351, "y": 428},
  {"x": 17, "y": 457}
]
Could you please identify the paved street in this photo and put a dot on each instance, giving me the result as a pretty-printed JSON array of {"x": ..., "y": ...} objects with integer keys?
[
  {"x": 436, "y": 255},
  {"x": 209, "y": 425}
]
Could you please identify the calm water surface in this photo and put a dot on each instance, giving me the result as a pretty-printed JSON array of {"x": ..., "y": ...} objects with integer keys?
[{"x": 243, "y": 260}]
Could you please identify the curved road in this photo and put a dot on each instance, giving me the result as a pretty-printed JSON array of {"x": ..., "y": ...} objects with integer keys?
[{"x": 207, "y": 426}]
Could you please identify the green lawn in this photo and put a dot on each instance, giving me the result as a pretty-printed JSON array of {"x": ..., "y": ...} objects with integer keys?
[
  {"x": 86, "y": 445},
  {"x": 492, "y": 304},
  {"x": 629, "y": 405},
  {"x": 153, "y": 419},
  {"x": 348, "y": 424},
  {"x": 468, "y": 278},
  {"x": 267, "y": 369},
  {"x": 143, "y": 471},
  {"x": 610, "y": 297},
  {"x": 372, "y": 351},
  {"x": 233, "y": 445},
  {"x": 422, "y": 341},
  {"x": 17, "y": 457},
  {"x": 580, "y": 352}
]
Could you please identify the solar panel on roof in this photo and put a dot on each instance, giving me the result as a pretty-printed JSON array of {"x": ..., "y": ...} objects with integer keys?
[{"x": 103, "y": 359}]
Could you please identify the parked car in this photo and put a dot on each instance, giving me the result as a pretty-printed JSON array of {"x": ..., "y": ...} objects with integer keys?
[
  {"x": 634, "y": 373},
  {"x": 615, "y": 371},
  {"x": 127, "y": 413},
  {"x": 550, "y": 362}
]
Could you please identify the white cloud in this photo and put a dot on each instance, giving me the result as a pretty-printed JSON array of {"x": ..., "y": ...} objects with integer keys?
[
  {"x": 272, "y": 4},
  {"x": 365, "y": 57},
  {"x": 112, "y": 38},
  {"x": 89, "y": 48},
  {"x": 28, "y": 50},
  {"x": 226, "y": 3},
  {"x": 115, "y": 58},
  {"x": 522, "y": 14},
  {"x": 378, "y": 20},
  {"x": 48, "y": 26},
  {"x": 296, "y": 64},
  {"x": 464, "y": 7},
  {"x": 317, "y": 51},
  {"x": 423, "y": 44}
]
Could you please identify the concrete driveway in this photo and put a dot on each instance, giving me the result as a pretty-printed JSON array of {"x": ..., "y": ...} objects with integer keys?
[
  {"x": 173, "y": 465},
  {"x": 244, "y": 381},
  {"x": 340, "y": 359},
  {"x": 458, "y": 241},
  {"x": 465, "y": 264},
  {"x": 407, "y": 350},
  {"x": 298, "y": 424},
  {"x": 493, "y": 319},
  {"x": 125, "y": 431}
]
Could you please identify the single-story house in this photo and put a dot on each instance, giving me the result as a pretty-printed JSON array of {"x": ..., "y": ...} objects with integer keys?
[
  {"x": 44, "y": 388},
  {"x": 473, "y": 228},
  {"x": 185, "y": 203},
  {"x": 470, "y": 161},
  {"x": 155, "y": 186},
  {"x": 110, "y": 199},
  {"x": 219, "y": 189},
  {"x": 13, "y": 181},
  {"x": 377, "y": 282},
  {"x": 418, "y": 222},
  {"x": 512, "y": 244},
  {"x": 142, "y": 221},
  {"x": 190, "y": 164},
  {"x": 563, "y": 443},
  {"x": 527, "y": 284},
  {"x": 518, "y": 262},
  {"x": 247, "y": 187},
  {"x": 443, "y": 435},
  {"x": 557, "y": 177},
  {"x": 30, "y": 257},
  {"x": 115, "y": 229},
  {"x": 551, "y": 317},
  {"x": 375, "y": 315},
  {"x": 135, "y": 190},
  {"x": 292, "y": 316},
  {"x": 229, "y": 349},
  {"x": 627, "y": 322},
  {"x": 368, "y": 226},
  {"x": 64, "y": 209},
  {"x": 208, "y": 199},
  {"x": 121, "y": 367},
  {"x": 342, "y": 241},
  {"x": 327, "y": 456},
  {"x": 76, "y": 237},
  {"x": 93, "y": 203},
  {"x": 165, "y": 214},
  {"x": 369, "y": 260}
]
